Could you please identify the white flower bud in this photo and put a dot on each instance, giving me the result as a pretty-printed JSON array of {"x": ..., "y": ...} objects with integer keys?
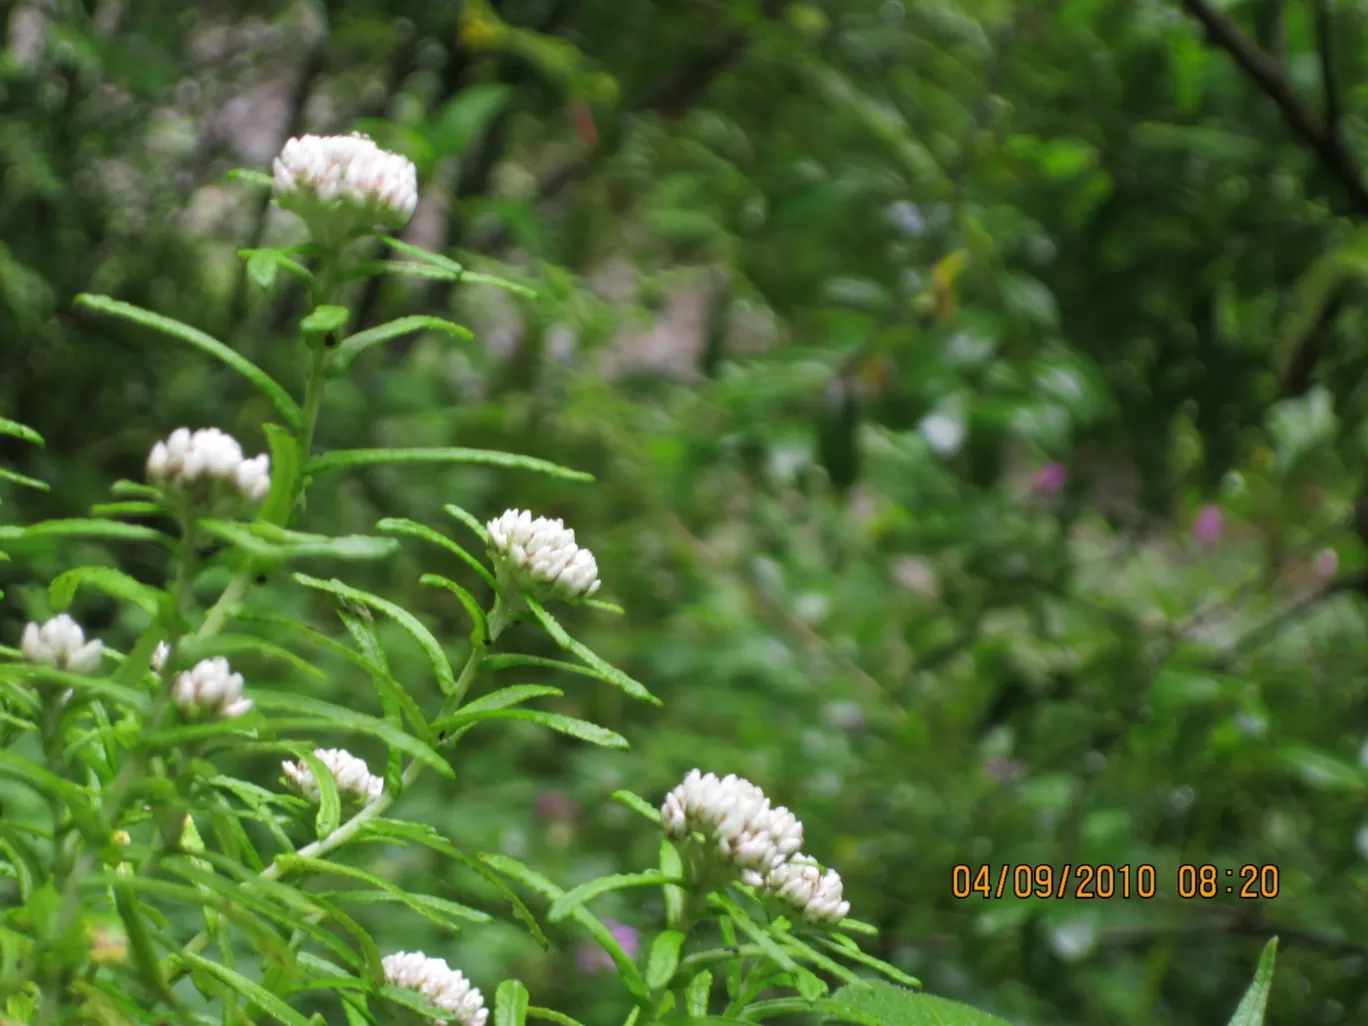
[
  {"x": 541, "y": 554},
  {"x": 206, "y": 458},
  {"x": 159, "y": 656},
  {"x": 800, "y": 883},
  {"x": 345, "y": 183},
  {"x": 61, "y": 644},
  {"x": 735, "y": 814},
  {"x": 353, "y": 776},
  {"x": 210, "y": 689},
  {"x": 445, "y": 987}
]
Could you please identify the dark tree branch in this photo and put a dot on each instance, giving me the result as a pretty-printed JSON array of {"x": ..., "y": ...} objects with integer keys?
[
  {"x": 1333, "y": 155},
  {"x": 1330, "y": 96}
]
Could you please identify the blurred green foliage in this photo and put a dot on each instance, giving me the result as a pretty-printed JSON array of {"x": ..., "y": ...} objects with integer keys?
[{"x": 978, "y": 472}]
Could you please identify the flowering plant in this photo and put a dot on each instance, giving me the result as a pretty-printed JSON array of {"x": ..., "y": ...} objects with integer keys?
[{"x": 128, "y": 745}]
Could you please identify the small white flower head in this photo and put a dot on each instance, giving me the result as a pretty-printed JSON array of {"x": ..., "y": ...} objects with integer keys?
[
  {"x": 159, "y": 656},
  {"x": 735, "y": 814},
  {"x": 199, "y": 461},
  {"x": 541, "y": 555},
  {"x": 61, "y": 644},
  {"x": 800, "y": 883},
  {"x": 342, "y": 185},
  {"x": 210, "y": 690},
  {"x": 353, "y": 776},
  {"x": 445, "y": 987}
]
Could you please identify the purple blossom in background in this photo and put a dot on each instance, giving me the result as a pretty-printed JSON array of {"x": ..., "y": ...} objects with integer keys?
[
  {"x": 1327, "y": 564},
  {"x": 557, "y": 805},
  {"x": 592, "y": 959},
  {"x": 1206, "y": 529},
  {"x": 1005, "y": 770},
  {"x": 1050, "y": 480}
]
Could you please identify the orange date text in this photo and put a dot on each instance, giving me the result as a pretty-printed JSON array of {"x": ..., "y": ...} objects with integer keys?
[{"x": 1068, "y": 880}]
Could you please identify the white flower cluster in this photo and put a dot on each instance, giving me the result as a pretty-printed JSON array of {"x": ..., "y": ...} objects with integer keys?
[
  {"x": 210, "y": 688},
  {"x": 542, "y": 553},
  {"x": 802, "y": 884},
  {"x": 439, "y": 983},
  {"x": 61, "y": 644},
  {"x": 748, "y": 831},
  {"x": 353, "y": 776},
  {"x": 208, "y": 456},
  {"x": 347, "y": 180}
]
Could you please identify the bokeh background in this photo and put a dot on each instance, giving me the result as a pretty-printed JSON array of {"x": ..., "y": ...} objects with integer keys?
[{"x": 975, "y": 391}]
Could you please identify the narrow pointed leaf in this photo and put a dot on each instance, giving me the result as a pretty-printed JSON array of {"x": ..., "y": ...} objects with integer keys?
[
  {"x": 606, "y": 671},
  {"x": 397, "y": 525},
  {"x": 16, "y": 430},
  {"x": 24, "y": 479},
  {"x": 279, "y": 504},
  {"x": 577, "y": 896},
  {"x": 479, "y": 626},
  {"x": 513, "y": 695},
  {"x": 637, "y": 804},
  {"x": 112, "y": 582},
  {"x": 348, "y": 459},
  {"x": 469, "y": 520},
  {"x": 446, "y": 679},
  {"x": 1252, "y": 1006},
  {"x": 354, "y": 345},
  {"x": 582, "y": 729},
  {"x": 84, "y": 527},
  {"x": 660, "y": 967},
  {"x": 267, "y": 385},
  {"x": 253, "y": 992}
]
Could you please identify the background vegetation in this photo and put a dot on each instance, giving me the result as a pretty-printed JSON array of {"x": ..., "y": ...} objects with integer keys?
[{"x": 975, "y": 392}]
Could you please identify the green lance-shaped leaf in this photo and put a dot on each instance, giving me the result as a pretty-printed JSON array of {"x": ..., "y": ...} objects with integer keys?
[
  {"x": 16, "y": 430},
  {"x": 803, "y": 950},
  {"x": 422, "y": 255},
  {"x": 97, "y": 687},
  {"x": 577, "y": 896},
  {"x": 112, "y": 582},
  {"x": 329, "y": 800},
  {"x": 638, "y": 804},
  {"x": 751, "y": 929},
  {"x": 250, "y": 176},
  {"x": 324, "y": 319},
  {"x": 551, "y": 1015},
  {"x": 479, "y": 626},
  {"x": 23, "y": 479},
  {"x": 85, "y": 527},
  {"x": 631, "y": 976},
  {"x": 267, "y": 385},
  {"x": 269, "y": 542},
  {"x": 196, "y": 649},
  {"x": 413, "y": 529},
  {"x": 847, "y": 948},
  {"x": 470, "y": 520},
  {"x": 660, "y": 967},
  {"x": 676, "y": 898},
  {"x": 304, "y": 864},
  {"x": 510, "y": 1004},
  {"x": 605, "y": 670},
  {"x": 1251, "y": 1008},
  {"x": 349, "y": 459},
  {"x": 354, "y": 345},
  {"x": 253, "y": 992},
  {"x": 516, "y": 694},
  {"x": 262, "y": 265},
  {"x": 875, "y": 1003},
  {"x": 582, "y": 729},
  {"x": 341, "y": 718},
  {"x": 697, "y": 992},
  {"x": 285, "y": 465},
  {"x": 446, "y": 679}
]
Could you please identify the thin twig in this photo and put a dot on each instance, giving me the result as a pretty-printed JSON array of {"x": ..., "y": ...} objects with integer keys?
[{"x": 1268, "y": 76}]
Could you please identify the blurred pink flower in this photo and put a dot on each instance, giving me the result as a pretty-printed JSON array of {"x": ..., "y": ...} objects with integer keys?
[
  {"x": 1005, "y": 770},
  {"x": 557, "y": 805},
  {"x": 592, "y": 959},
  {"x": 1206, "y": 528},
  {"x": 1050, "y": 480},
  {"x": 1327, "y": 564}
]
